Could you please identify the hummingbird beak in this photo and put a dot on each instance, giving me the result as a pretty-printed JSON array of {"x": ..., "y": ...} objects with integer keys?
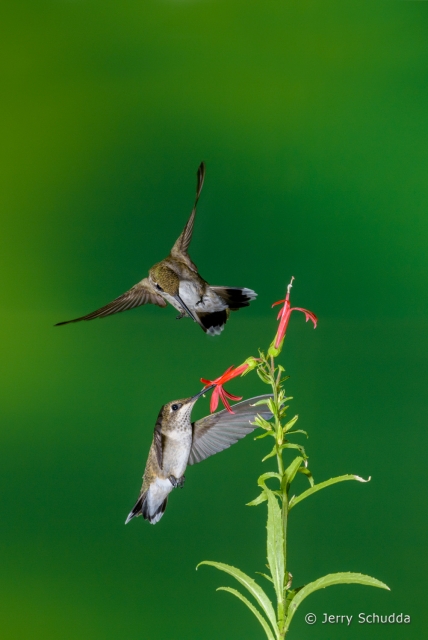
[
  {"x": 186, "y": 308},
  {"x": 201, "y": 393}
]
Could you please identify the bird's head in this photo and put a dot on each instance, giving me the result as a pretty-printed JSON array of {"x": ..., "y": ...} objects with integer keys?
[
  {"x": 164, "y": 279},
  {"x": 179, "y": 410}
]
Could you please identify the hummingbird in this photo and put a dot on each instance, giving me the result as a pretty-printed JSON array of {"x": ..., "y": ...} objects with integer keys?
[
  {"x": 178, "y": 442},
  {"x": 175, "y": 280}
]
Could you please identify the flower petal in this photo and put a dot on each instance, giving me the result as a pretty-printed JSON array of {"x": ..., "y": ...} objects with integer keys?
[
  {"x": 231, "y": 396},
  {"x": 214, "y": 400},
  {"x": 224, "y": 399},
  {"x": 279, "y": 302},
  {"x": 284, "y": 316},
  {"x": 230, "y": 373},
  {"x": 308, "y": 314},
  {"x": 219, "y": 392},
  {"x": 282, "y": 328}
]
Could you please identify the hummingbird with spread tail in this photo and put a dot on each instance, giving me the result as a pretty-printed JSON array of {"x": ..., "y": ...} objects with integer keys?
[
  {"x": 176, "y": 280},
  {"x": 178, "y": 442}
]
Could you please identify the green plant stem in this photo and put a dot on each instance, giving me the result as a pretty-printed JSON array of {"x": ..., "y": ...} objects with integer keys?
[
  {"x": 284, "y": 514},
  {"x": 275, "y": 382}
]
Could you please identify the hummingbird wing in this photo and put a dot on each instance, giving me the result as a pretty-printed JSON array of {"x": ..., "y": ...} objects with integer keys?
[
  {"x": 179, "y": 250},
  {"x": 220, "y": 430},
  {"x": 141, "y": 293},
  {"x": 158, "y": 444}
]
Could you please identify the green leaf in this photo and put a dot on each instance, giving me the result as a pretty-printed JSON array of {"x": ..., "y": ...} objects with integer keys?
[
  {"x": 328, "y": 581},
  {"x": 292, "y": 445},
  {"x": 271, "y": 454},
  {"x": 266, "y": 476},
  {"x": 252, "y": 586},
  {"x": 263, "y": 376},
  {"x": 266, "y": 433},
  {"x": 308, "y": 474},
  {"x": 261, "y": 422},
  {"x": 287, "y": 445},
  {"x": 290, "y": 596},
  {"x": 272, "y": 406},
  {"x": 290, "y": 424},
  {"x": 275, "y": 545},
  {"x": 253, "y": 609},
  {"x": 322, "y": 485},
  {"x": 261, "y": 498},
  {"x": 264, "y": 401},
  {"x": 290, "y": 472},
  {"x": 282, "y": 398},
  {"x": 289, "y": 433},
  {"x": 264, "y": 576}
]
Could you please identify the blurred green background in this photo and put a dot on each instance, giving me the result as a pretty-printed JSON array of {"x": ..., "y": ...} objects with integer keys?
[{"x": 312, "y": 120}]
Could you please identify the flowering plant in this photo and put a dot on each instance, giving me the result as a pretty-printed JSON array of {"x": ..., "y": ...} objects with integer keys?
[{"x": 276, "y": 623}]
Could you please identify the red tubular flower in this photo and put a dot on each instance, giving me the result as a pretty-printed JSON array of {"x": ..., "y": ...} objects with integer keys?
[
  {"x": 285, "y": 313},
  {"x": 219, "y": 392}
]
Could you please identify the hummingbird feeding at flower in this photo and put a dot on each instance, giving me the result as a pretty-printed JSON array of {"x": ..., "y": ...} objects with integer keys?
[
  {"x": 177, "y": 442},
  {"x": 176, "y": 280}
]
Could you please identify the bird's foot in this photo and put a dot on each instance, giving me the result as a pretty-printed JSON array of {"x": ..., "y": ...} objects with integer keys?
[
  {"x": 177, "y": 482},
  {"x": 182, "y": 314}
]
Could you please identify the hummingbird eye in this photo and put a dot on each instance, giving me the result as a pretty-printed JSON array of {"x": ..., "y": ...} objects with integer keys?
[
  {"x": 159, "y": 288},
  {"x": 175, "y": 407}
]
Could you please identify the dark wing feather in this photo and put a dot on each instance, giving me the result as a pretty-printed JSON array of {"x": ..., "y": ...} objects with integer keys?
[
  {"x": 141, "y": 293},
  {"x": 158, "y": 442},
  {"x": 179, "y": 250},
  {"x": 220, "y": 430}
]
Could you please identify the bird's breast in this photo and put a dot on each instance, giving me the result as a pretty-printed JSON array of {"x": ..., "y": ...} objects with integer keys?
[
  {"x": 176, "y": 452},
  {"x": 201, "y": 298}
]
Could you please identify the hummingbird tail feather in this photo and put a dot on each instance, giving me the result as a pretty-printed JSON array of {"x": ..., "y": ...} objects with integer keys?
[
  {"x": 137, "y": 508},
  {"x": 235, "y": 297},
  {"x": 142, "y": 508},
  {"x": 157, "y": 514},
  {"x": 213, "y": 323}
]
